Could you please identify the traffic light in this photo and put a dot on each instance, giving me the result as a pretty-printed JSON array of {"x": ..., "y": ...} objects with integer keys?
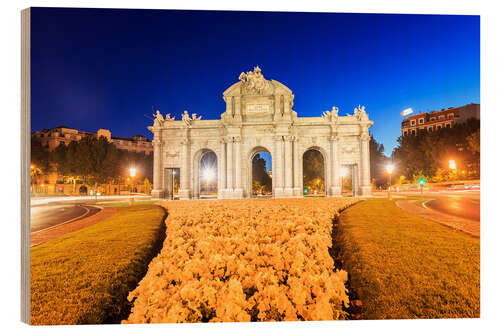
[{"x": 421, "y": 181}]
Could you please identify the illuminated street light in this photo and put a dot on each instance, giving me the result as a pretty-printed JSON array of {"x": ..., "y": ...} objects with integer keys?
[
  {"x": 452, "y": 164},
  {"x": 132, "y": 172},
  {"x": 390, "y": 169}
]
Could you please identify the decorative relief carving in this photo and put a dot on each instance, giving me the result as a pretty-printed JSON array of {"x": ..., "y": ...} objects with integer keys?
[
  {"x": 278, "y": 138},
  {"x": 364, "y": 136},
  {"x": 257, "y": 108},
  {"x": 172, "y": 153}
]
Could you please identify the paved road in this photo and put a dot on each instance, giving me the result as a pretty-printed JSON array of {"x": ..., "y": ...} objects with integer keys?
[
  {"x": 457, "y": 205},
  {"x": 46, "y": 216}
]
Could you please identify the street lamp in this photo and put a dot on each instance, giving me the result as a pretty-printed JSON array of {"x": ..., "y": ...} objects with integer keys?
[
  {"x": 452, "y": 164},
  {"x": 132, "y": 171},
  {"x": 390, "y": 169}
]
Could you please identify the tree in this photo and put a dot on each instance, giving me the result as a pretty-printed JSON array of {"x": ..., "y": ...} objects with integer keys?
[
  {"x": 474, "y": 142},
  {"x": 40, "y": 156},
  {"x": 427, "y": 154},
  {"x": 378, "y": 161}
]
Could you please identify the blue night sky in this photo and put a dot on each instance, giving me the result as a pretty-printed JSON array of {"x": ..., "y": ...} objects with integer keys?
[{"x": 96, "y": 68}]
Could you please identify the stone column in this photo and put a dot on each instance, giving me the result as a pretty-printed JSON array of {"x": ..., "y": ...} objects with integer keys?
[
  {"x": 237, "y": 107},
  {"x": 297, "y": 191},
  {"x": 277, "y": 111},
  {"x": 335, "y": 188},
  {"x": 278, "y": 173},
  {"x": 366, "y": 189},
  {"x": 229, "y": 105},
  {"x": 185, "y": 191},
  {"x": 286, "y": 104},
  {"x": 230, "y": 166},
  {"x": 158, "y": 190},
  {"x": 238, "y": 190},
  {"x": 221, "y": 185},
  {"x": 288, "y": 165}
]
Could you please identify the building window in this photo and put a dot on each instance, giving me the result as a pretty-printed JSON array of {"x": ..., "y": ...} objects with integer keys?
[
  {"x": 429, "y": 129},
  {"x": 450, "y": 115},
  {"x": 405, "y": 133},
  {"x": 438, "y": 127},
  {"x": 421, "y": 121},
  {"x": 448, "y": 125},
  {"x": 433, "y": 118},
  {"x": 441, "y": 116},
  {"x": 61, "y": 143},
  {"x": 413, "y": 132},
  {"x": 413, "y": 122}
]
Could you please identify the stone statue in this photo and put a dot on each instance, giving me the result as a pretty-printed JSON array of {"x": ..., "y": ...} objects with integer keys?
[
  {"x": 360, "y": 113},
  {"x": 331, "y": 115},
  {"x": 186, "y": 118},
  {"x": 168, "y": 118},
  {"x": 254, "y": 82},
  {"x": 158, "y": 118}
]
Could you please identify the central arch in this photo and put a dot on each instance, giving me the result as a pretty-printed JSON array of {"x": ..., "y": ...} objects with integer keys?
[
  {"x": 264, "y": 186},
  {"x": 314, "y": 175}
]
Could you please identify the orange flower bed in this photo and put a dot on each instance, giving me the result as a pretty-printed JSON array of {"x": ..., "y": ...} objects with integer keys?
[{"x": 244, "y": 260}]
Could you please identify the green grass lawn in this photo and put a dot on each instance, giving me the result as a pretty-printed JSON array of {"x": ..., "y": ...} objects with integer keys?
[
  {"x": 404, "y": 266},
  {"x": 84, "y": 277}
]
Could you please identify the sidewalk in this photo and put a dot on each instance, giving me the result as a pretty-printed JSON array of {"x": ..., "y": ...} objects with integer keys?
[{"x": 416, "y": 207}]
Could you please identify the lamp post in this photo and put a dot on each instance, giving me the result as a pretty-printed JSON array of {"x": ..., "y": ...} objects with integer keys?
[
  {"x": 389, "y": 169},
  {"x": 132, "y": 175},
  {"x": 132, "y": 171},
  {"x": 453, "y": 165}
]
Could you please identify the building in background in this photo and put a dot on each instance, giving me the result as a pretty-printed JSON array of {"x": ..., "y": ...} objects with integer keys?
[
  {"x": 56, "y": 136},
  {"x": 435, "y": 120}
]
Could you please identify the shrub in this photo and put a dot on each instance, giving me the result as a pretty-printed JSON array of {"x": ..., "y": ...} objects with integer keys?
[{"x": 244, "y": 260}]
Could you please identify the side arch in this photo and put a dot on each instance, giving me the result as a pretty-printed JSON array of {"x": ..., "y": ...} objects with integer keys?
[{"x": 196, "y": 176}]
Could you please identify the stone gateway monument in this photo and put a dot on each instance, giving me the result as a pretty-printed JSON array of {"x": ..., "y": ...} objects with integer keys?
[{"x": 259, "y": 118}]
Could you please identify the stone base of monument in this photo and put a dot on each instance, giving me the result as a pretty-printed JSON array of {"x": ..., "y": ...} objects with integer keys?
[
  {"x": 288, "y": 192},
  {"x": 184, "y": 194},
  {"x": 297, "y": 192},
  {"x": 230, "y": 194},
  {"x": 335, "y": 191},
  {"x": 157, "y": 194},
  {"x": 366, "y": 191}
]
